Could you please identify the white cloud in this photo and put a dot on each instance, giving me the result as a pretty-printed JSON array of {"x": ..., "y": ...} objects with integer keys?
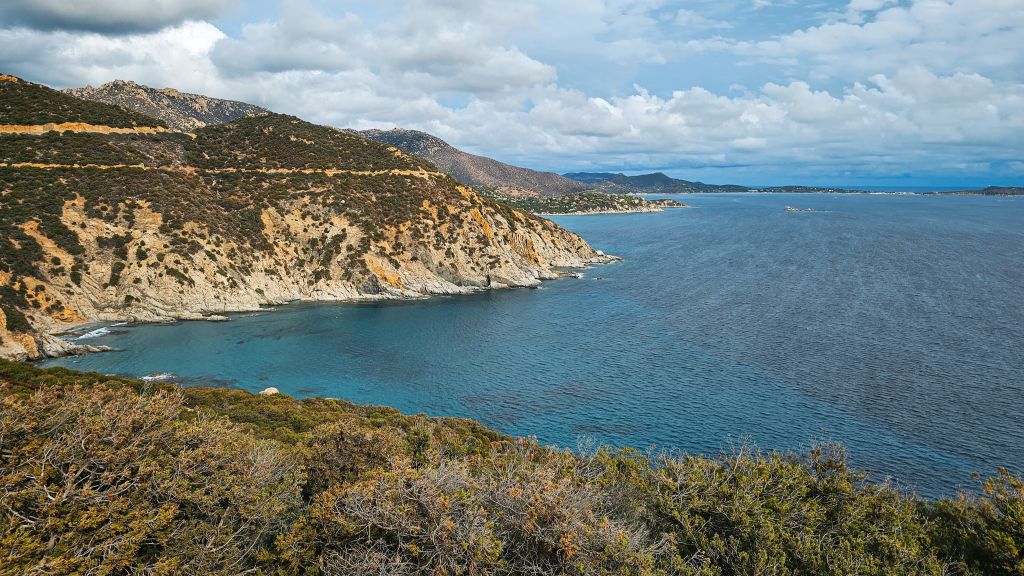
[
  {"x": 430, "y": 47},
  {"x": 695, "y": 21},
  {"x": 301, "y": 40},
  {"x": 882, "y": 88},
  {"x": 176, "y": 56},
  {"x": 109, "y": 16},
  {"x": 945, "y": 36}
]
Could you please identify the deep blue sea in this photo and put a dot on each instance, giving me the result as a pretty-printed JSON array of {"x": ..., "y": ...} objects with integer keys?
[{"x": 894, "y": 324}]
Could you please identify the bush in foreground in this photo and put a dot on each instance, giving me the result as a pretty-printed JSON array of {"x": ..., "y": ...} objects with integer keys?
[{"x": 102, "y": 475}]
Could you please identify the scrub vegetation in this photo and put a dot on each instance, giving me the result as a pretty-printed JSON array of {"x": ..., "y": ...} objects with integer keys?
[{"x": 103, "y": 475}]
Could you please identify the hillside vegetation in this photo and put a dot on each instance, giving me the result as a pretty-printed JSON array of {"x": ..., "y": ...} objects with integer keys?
[
  {"x": 102, "y": 475},
  {"x": 179, "y": 110},
  {"x": 25, "y": 103},
  {"x": 266, "y": 209}
]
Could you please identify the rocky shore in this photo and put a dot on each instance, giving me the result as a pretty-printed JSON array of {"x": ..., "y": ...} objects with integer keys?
[{"x": 522, "y": 258}]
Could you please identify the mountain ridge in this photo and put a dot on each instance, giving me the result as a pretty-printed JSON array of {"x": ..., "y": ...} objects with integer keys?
[
  {"x": 660, "y": 183},
  {"x": 181, "y": 111},
  {"x": 185, "y": 112},
  {"x": 474, "y": 170},
  {"x": 653, "y": 183}
]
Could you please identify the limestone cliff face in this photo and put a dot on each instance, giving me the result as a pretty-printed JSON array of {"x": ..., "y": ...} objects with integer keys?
[{"x": 152, "y": 226}]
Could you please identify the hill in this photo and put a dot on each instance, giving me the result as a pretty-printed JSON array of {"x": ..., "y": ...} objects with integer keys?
[
  {"x": 659, "y": 183},
  {"x": 996, "y": 191},
  {"x": 511, "y": 185},
  {"x": 476, "y": 171},
  {"x": 105, "y": 215},
  {"x": 655, "y": 183},
  {"x": 178, "y": 110},
  {"x": 104, "y": 475}
]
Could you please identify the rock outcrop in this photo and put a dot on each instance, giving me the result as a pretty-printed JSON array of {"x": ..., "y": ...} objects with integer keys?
[{"x": 179, "y": 110}]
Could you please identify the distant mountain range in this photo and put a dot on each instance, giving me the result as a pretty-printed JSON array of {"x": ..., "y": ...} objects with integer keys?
[
  {"x": 478, "y": 171},
  {"x": 656, "y": 183},
  {"x": 660, "y": 183},
  {"x": 181, "y": 111}
]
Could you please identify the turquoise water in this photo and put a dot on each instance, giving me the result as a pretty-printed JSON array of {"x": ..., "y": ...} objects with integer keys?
[{"x": 893, "y": 324}]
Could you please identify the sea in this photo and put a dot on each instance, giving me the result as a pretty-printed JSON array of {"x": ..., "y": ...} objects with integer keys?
[{"x": 893, "y": 324}]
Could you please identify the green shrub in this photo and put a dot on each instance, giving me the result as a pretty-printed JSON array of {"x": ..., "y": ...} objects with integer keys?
[{"x": 148, "y": 477}]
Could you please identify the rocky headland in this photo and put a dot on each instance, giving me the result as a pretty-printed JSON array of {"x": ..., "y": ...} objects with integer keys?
[{"x": 151, "y": 224}]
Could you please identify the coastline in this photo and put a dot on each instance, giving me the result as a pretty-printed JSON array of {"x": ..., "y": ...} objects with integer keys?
[
  {"x": 598, "y": 212},
  {"x": 835, "y": 193},
  {"x": 58, "y": 343}
]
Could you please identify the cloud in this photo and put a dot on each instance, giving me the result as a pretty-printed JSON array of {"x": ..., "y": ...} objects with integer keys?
[
  {"x": 177, "y": 56},
  {"x": 877, "y": 36},
  {"x": 695, "y": 21},
  {"x": 432, "y": 47},
  {"x": 302, "y": 39},
  {"x": 875, "y": 87},
  {"x": 912, "y": 120},
  {"x": 109, "y": 16}
]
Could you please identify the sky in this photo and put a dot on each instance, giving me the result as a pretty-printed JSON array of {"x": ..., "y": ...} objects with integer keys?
[{"x": 757, "y": 92}]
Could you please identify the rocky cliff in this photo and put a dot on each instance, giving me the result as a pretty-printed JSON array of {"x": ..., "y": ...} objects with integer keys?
[
  {"x": 179, "y": 110},
  {"x": 476, "y": 170},
  {"x": 147, "y": 225}
]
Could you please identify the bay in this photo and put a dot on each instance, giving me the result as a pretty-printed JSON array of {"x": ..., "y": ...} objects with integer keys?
[{"x": 891, "y": 323}]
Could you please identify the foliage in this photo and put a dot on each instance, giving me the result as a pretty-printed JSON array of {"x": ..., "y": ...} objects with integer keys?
[
  {"x": 109, "y": 475},
  {"x": 25, "y": 103},
  {"x": 96, "y": 481},
  {"x": 277, "y": 141},
  {"x": 985, "y": 532}
]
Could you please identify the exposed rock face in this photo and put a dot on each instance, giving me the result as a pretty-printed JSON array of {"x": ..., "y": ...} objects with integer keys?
[
  {"x": 155, "y": 226},
  {"x": 476, "y": 170},
  {"x": 180, "y": 111}
]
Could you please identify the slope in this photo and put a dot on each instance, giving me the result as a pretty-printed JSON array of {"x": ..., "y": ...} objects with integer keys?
[
  {"x": 179, "y": 110},
  {"x": 477, "y": 171},
  {"x": 148, "y": 225}
]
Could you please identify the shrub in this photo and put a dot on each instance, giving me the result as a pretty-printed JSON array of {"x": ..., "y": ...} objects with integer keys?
[
  {"x": 94, "y": 480},
  {"x": 101, "y": 474}
]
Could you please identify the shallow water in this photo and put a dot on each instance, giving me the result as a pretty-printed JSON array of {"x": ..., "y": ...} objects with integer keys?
[{"x": 893, "y": 324}]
